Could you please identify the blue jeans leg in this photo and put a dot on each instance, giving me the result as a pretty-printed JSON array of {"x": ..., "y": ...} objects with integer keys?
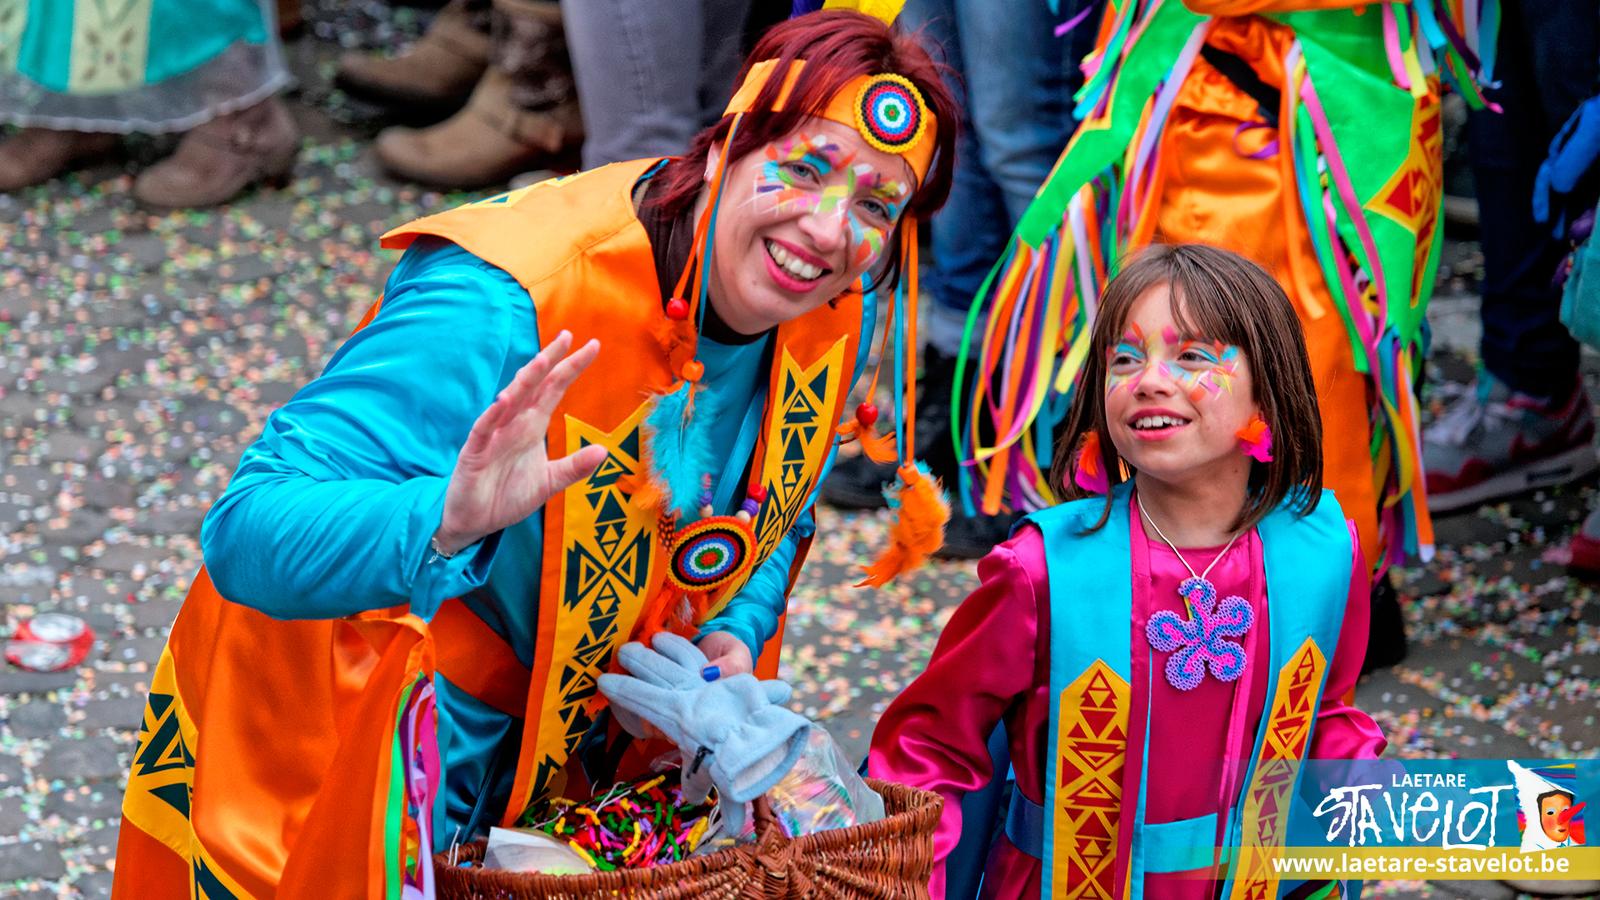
[
  {"x": 1011, "y": 75},
  {"x": 1546, "y": 68}
]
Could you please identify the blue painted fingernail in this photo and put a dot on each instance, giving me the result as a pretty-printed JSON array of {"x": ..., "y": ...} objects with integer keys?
[{"x": 711, "y": 673}]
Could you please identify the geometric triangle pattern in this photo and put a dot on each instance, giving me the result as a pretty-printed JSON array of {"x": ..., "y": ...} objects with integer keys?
[
  {"x": 161, "y": 781},
  {"x": 608, "y": 555},
  {"x": 802, "y": 408},
  {"x": 1288, "y": 734},
  {"x": 1091, "y": 746},
  {"x": 1413, "y": 195}
]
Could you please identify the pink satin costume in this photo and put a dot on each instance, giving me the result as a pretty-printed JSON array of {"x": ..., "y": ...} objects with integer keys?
[{"x": 992, "y": 664}]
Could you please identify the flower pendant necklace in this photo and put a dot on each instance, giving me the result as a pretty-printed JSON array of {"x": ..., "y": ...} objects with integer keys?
[{"x": 1200, "y": 641}]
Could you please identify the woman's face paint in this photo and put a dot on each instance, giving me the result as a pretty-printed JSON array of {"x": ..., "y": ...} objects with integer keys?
[
  {"x": 807, "y": 174},
  {"x": 800, "y": 221}
]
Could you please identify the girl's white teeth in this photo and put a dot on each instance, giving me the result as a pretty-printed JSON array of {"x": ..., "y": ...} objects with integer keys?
[
  {"x": 801, "y": 270},
  {"x": 1159, "y": 422}
]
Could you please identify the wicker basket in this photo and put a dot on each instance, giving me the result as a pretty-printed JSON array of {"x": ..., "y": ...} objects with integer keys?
[{"x": 892, "y": 857}]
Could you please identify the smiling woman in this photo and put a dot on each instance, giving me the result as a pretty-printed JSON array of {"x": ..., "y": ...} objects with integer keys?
[{"x": 582, "y": 412}]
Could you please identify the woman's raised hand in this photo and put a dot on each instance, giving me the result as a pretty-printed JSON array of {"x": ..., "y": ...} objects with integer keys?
[{"x": 503, "y": 474}]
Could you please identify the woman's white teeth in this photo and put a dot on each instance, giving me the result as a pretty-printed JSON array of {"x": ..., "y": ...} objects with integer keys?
[
  {"x": 1159, "y": 422},
  {"x": 801, "y": 270}
]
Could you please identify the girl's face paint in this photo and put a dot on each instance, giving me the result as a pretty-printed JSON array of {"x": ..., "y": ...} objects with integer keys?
[
  {"x": 1204, "y": 367},
  {"x": 1175, "y": 402},
  {"x": 1126, "y": 362},
  {"x": 801, "y": 220}
]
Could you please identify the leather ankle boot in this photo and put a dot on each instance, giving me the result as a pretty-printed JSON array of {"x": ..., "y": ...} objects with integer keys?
[
  {"x": 36, "y": 155},
  {"x": 522, "y": 115},
  {"x": 436, "y": 75},
  {"x": 218, "y": 160},
  {"x": 486, "y": 143}
]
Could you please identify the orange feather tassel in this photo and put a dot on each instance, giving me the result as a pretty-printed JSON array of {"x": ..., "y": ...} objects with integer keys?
[
  {"x": 878, "y": 447},
  {"x": 921, "y": 512}
]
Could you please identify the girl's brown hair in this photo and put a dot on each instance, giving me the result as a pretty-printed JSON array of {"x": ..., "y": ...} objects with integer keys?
[{"x": 1220, "y": 295}]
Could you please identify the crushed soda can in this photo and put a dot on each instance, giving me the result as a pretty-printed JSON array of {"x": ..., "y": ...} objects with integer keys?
[{"x": 50, "y": 642}]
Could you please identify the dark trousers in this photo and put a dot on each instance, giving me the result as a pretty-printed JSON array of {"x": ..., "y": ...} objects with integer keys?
[{"x": 1547, "y": 66}]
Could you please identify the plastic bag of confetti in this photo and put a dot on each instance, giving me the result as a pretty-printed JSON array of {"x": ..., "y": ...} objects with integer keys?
[{"x": 820, "y": 793}]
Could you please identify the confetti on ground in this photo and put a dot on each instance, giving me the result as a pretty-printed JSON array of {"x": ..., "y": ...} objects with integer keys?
[{"x": 142, "y": 353}]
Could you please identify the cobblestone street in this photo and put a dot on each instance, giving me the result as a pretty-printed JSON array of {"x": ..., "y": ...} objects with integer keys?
[{"x": 142, "y": 353}]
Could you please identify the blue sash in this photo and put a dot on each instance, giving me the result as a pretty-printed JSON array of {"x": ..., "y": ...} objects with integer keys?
[{"x": 1096, "y": 844}]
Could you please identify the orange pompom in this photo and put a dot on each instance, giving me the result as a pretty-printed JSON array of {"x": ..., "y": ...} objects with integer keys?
[{"x": 1255, "y": 439}]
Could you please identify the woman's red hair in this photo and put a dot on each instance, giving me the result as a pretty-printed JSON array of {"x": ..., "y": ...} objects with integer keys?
[{"x": 837, "y": 46}]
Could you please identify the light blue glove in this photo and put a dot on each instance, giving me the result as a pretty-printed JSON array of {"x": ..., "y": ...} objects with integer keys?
[{"x": 732, "y": 731}]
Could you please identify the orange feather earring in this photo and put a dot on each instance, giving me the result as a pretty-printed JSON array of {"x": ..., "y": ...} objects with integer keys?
[{"x": 1255, "y": 439}]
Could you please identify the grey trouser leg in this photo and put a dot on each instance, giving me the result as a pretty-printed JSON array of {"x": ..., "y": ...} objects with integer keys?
[{"x": 651, "y": 73}]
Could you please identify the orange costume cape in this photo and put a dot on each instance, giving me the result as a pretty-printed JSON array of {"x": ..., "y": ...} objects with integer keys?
[
  {"x": 266, "y": 762},
  {"x": 1303, "y": 134}
]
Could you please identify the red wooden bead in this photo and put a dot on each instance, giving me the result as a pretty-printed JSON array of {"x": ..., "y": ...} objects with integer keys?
[
  {"x": 692, "y": 370},
  {"x": 866, "y": 414},
  {"x": 758, "y": 493},
  {"x": 677, "y": 309}
]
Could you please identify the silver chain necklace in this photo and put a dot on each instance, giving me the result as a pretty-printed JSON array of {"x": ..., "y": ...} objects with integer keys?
[{"x": 1202, "y": 576}]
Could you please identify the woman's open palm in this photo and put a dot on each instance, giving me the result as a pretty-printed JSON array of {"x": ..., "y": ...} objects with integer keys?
[{"x": 503, "y": 473}]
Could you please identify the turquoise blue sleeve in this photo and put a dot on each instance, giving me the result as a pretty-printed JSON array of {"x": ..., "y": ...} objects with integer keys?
[
  {"x": 752, "y": 615},
  {"x": 332, "y": 510}
]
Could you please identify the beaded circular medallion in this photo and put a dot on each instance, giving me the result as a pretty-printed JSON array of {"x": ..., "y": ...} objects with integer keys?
[
  {"x": 711, "y": 552},
  {"x": 890, "y": 113}
]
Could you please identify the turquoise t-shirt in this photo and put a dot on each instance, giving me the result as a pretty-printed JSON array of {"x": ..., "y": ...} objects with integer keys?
[{"x": 332, "y": 509}]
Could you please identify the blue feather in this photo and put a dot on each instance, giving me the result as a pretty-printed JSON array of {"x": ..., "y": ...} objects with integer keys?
[{"x": 680, "y": 453}]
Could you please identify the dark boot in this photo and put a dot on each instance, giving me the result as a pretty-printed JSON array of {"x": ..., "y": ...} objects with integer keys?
[
  {"x": 1386, "y": 633},
  {"x": 858, "y": 482},
  {"x": 291, "y": 18}
]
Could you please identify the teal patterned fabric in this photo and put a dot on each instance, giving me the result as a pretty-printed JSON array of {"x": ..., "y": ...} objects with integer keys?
[{"x": 135, "y": 65}]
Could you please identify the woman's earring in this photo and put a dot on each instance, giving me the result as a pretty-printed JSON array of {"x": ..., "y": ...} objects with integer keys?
[
  {"x": 1255, "y": 439},
  {"x": 1089, "y": 471}
]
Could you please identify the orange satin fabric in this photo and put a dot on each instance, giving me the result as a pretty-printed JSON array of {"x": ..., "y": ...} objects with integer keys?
[
  {"x": 293, "y": 721},
  {"x": 278, "y": 706},
  {"x": 639, "y": 347},
  {"x": 1211, "y": 191}
]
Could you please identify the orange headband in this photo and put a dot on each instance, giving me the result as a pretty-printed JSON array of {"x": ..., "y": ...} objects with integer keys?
[{"x": 886, "y": 109}]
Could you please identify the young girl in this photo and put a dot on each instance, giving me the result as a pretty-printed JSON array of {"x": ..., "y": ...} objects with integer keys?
[{"x": 1159, "y": 655}]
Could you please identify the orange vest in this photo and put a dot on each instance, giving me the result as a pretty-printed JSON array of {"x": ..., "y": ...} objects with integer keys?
[{"x": 229, "y": 792}]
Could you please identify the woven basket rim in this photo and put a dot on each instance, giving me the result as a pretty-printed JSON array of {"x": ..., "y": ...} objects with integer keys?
[{"x": 918, "y": 812}]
